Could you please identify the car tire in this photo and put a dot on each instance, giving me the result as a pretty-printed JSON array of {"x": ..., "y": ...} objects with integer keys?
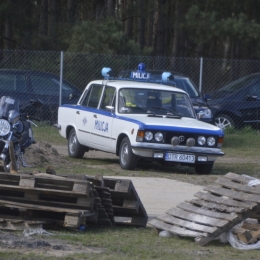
[
  {"x": 75, "y": 149},
  {"x": 224, "y": 121},
  {"x": 203, "y": 168},
  {"x": 128, "y": 160}
]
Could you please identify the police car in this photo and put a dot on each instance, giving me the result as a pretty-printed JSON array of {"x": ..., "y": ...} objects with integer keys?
[{"x": 134, "y": 120}]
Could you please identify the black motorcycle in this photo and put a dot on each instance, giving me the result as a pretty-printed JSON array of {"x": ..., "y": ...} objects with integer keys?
[{"x": 15, "y": 131}]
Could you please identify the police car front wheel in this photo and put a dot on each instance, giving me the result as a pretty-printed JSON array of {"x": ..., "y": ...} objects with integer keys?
[
  {"x": 75, "y": 149},
  {"x": 128, "y": 160}
]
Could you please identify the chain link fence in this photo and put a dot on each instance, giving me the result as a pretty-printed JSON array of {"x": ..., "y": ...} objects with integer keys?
[{"x": 36, "y": 74}]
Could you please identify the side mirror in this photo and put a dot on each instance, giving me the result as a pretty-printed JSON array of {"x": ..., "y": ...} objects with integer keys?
[
  {"x": 72, "y": 96},
  {"x": 251, "y": 98},
  {"x": 207, "y": 96},
  {"x": 36, "y": 102},
  {"x": 111, "y": 108}
]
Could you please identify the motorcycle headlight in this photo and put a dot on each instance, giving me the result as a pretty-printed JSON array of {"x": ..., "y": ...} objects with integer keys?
[
  {"x": 211, "y": 141},
  {"x": 158, "y": 137},
  {"x": 4, "y": 127},
  {"x": 148, "y": 136}
]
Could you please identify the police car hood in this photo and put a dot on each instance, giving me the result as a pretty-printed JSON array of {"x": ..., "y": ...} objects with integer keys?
[{"x": 185, "y": 124}]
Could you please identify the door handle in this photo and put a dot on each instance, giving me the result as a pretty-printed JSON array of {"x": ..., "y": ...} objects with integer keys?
[
  {"x": 78, "y": 112},
  {"x": 95, "y": 116}
]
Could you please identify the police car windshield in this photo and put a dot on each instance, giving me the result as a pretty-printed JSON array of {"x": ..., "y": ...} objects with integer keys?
[
  {"x": 162, "y": 102},
  {"x": 178, "y": 81}
]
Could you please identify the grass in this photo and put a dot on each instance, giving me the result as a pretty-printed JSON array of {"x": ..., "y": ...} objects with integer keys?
[{"x": 242, "y": 150}]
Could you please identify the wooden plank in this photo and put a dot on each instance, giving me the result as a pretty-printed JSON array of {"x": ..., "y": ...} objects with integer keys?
[
  {"x": 238, "y": 178},
  {"x": 186, "y": 224},
  {"x": 242, "y": 234},
  {"x": 224, "y": 182},
  {"x": 203, "y": 241},
  {"x": 216, "y": 207},
  {"x": 27, "y": 181},
  {"x": 123, "y": 186},
  {"x": 174, "y": 229},
  {"x": 197, "y": 218},
  {"x": 224, "y": 200},
  {"x": 13, "y": 164},
  {"x": 207, "y": 213},
  {"x": 238, "y": 195},
  {"x": 131, "y": 204},
  {"x": 88, "y": 203},
  {"x": 14, "y": 204},
  {"x": 44, "y": 191}
]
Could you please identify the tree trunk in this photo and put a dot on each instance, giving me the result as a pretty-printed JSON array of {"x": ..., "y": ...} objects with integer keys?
[
  {"x": 8, "y": 34},
  {"x": 160, "y": 46},
  {"x": 71, "y": 7},
  {"x": 151, "y": 30},
  {"x": 43, "y": 26},
  {"x": 111, "y": 5},
  {"x": 141, "y": 24},
  {"x": 178, "y": 48},
  {"x": 128, "y": 25},
  {"x": 52, "y": 18}
]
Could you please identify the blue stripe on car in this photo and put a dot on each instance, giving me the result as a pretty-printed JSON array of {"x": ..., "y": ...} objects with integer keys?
[{"x": 143, "y": 126}]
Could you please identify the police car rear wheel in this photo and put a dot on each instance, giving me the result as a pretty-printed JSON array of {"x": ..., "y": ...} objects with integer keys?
[
  {"x": 204, "y": 168},
  {"x": 75, "y": 149},
  {"x": 128, "y": 160}
]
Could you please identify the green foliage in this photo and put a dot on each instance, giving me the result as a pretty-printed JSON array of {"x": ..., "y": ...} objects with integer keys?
[{"x": 101, "y": 37}]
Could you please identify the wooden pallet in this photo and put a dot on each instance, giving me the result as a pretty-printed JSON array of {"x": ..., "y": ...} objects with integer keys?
[
  {"x": 224, "y": 205},
  {"x": 127, "y": 208},
  {"x": 48, "y": 197}
]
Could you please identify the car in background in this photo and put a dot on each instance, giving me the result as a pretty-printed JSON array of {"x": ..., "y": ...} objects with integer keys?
[
  {"x": 199, "y": 101},
  {"x": 237, "y": 104},
  {"x": 31, "y": 84}
]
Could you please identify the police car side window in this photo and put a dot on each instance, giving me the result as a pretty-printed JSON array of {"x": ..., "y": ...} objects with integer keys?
[
  {"x": 93, "y": 96},
  {"x": 108, "y": 97}
]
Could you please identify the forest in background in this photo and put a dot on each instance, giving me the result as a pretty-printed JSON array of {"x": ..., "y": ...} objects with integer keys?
[{"x": 223, "y": 29}]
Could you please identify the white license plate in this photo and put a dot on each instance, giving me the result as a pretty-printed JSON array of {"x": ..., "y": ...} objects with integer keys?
[{"x": 178, "y": 157}]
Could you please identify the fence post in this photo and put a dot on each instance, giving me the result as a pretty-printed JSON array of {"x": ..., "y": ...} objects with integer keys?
[
  {"x": 201, "y": 69},
  {"x": 61, "y": 76}
]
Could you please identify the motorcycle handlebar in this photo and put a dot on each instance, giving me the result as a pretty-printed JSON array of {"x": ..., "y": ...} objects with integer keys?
[
  {"x": 34, "y": 118},
  {"x": 25, "y": 117}
]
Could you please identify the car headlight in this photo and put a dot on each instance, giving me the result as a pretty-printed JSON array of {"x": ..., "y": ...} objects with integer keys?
[
  {"x": 201, "y": 140},
  {"x": 207, "y": 113},
  {"x": 158, "y": 137},
  {"x": 148, "y": 136},
  {"x": 211, "y": 141}
]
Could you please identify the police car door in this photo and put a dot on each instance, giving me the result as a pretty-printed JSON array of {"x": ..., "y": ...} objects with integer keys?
[
  {"x": 84, "y": 114},
  {"x": 102, "y": 121}
]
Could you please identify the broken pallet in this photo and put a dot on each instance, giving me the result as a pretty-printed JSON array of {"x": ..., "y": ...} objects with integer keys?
[{"x": 209, "y": 215}]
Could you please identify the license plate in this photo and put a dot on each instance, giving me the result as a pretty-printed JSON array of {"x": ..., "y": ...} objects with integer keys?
[{"x": 178, "y": 157}]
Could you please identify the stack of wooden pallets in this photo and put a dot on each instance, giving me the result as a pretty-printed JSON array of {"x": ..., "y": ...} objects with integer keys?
[
  {"x": 44, "y": 198},
  {"x": 35, "y": 199},
  {"x": 217, "y": 210}
]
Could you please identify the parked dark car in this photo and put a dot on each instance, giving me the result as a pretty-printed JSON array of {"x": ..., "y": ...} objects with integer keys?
[
  {"x": 27, "y": 84},
  {"x": 199, "y": 101},
  {"x": 238, "y": 103}
]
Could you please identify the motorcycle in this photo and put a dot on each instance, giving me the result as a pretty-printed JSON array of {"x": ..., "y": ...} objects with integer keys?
[{"x": 15, "y": 132}]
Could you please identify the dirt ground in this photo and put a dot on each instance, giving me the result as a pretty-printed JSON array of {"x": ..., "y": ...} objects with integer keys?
[{"x": 42, "y": 155}]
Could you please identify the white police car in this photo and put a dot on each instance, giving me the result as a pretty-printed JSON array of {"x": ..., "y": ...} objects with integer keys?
[{"x": 139, "y": 120}]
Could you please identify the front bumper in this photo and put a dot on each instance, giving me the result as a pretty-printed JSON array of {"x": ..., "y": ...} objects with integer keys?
[{"x": 210, "y": 154}]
